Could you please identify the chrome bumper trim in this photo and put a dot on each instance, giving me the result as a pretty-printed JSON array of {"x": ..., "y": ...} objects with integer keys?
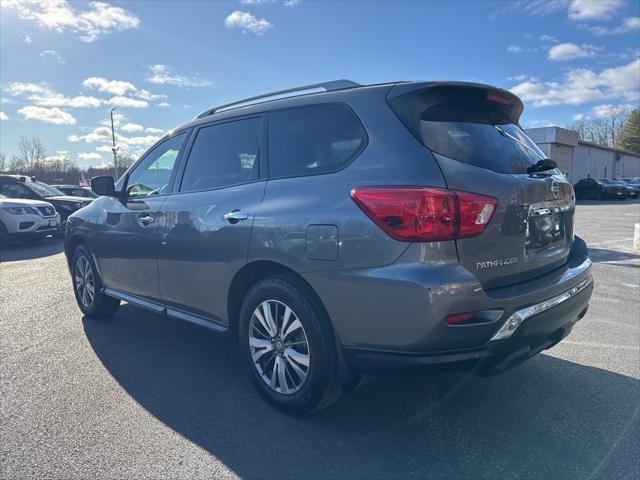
[{"x": 517, "y": 318}]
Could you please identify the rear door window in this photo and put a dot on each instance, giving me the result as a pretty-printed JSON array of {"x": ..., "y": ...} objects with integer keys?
[
  {"x": 313, "y": 139},
  {"x": 222, "y": 155}
]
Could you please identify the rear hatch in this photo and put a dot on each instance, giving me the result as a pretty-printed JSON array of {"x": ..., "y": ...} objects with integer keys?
[{"x": 472, "y": 132}]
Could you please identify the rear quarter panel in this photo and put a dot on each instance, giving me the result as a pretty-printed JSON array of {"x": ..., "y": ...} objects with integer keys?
[{"x": 392, "y": 157}]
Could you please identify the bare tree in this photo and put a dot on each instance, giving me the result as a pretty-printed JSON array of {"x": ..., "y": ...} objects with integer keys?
[
  {"x": 3, "y": 162},
  {"x": 124, "y": 162},
  {"x": 605, "y": 128},
  {"x": 31, "y": 153}
]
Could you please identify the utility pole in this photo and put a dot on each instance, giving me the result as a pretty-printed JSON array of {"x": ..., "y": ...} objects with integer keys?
[{"x": 114, "y": 149}]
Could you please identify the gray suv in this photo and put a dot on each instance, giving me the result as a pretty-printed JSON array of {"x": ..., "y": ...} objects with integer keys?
[{"x": 405, "y": 227}]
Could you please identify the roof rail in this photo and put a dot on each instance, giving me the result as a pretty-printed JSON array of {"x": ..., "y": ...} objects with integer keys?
[{"x": 328, "y": 86}]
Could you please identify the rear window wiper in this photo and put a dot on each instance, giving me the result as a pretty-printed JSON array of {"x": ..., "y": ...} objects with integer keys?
[{"x": 542, "y": 165}]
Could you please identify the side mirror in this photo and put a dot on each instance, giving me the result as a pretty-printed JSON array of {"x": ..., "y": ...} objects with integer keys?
[{"x": 103, "y": 185}]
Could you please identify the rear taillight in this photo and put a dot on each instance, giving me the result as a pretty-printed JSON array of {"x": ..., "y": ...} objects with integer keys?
[{"x": 422, "y": 214}]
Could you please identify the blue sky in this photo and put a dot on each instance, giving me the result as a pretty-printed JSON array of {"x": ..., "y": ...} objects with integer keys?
[{"x": 63, "y": 65}]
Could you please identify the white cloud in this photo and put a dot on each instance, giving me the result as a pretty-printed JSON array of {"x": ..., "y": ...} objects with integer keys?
[
  {"x": 90, "y": 156},
  {"x": 607, "y": 109},
  {"x": 522, "y": 78},
  {"x": 291, "y": 3},
  {"x": 569, "y": 51},
  {"x": 146, "y": 140},
  {"x": 100, "y": 134},
  {"x": 583, "y": 85},
  {"x": 98, "y": 20},
  {"x": 594, "y": 9},
  {"x": 47, "y": 115},
  {"x": 27, "y": 39},
  {"x": 3, "y": 116},
  {"x": 161, "y": 75},
  {"x": 60, "y": 156},
  {"x": 514, "y": 49},
  {"x": 147, "y": 95},
  {"x": 132, "y": 127},
  {"x": 103, "y": 135},
  {"x": 51, "y": 54},
  {"x": 629, "y": 24},
  {"x": 22, "y": 88},
  {"x": 255, "y": 2},
  {"x": 164, "y": 105},
  {"x": 128, "y": 102},
  {"x": 247, "y": 23},
  {"x": 154, "y": 130},
  {"x": 58, "y": 100},
  {"x": 104, "y": 148},
  {"x": 548, "y": 38},
  {"x": 577, "y": 10},
  {"x": 42, "y": 95},
  {"x": 114, "y": 87}
]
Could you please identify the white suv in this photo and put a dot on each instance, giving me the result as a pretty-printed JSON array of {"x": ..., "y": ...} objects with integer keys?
[{"x": 29, "y": 220}]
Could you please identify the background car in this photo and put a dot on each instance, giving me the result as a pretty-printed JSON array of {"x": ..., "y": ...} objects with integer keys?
[
  {"x": 22, "y": 186},
  {"x": 26, "y": 220},
  {"x": 76, "y": 191},
  {"x": 632, "y": 184},
  {"x": 599, "y": 188}
]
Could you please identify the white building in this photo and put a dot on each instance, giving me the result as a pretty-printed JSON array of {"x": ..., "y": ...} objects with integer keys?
[{"x": 577, "y": 158}]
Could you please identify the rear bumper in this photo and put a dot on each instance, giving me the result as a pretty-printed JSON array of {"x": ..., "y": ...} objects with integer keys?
[
  {"x": 535, "y": 334},
  {"x": 392, "y": 318}
]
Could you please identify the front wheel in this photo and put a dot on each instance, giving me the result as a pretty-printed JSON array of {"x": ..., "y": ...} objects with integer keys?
[
  {"x": 87, "y": 286},
  {"x": 289, "y": 347}
]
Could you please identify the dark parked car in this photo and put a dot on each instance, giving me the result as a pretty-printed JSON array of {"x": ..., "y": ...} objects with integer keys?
[
  {"x": 402, "y": 227},
  {"x": 22, "y": 186},
  {"x": 632, "y": 185},
  {"x": 76, "y": 191},
  {"x": 600, "y": 188}
]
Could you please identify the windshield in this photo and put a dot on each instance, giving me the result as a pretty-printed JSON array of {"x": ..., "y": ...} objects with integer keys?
[
  {"x": 501, "y": 148},
  {"x": 609, "y": 181},
  {"x": 44, "y": 190}
]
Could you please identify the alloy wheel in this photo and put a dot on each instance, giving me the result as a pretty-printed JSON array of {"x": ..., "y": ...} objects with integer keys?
[
  {"x": 279, "y": 347},
  {"x": 84, "y": 279}
]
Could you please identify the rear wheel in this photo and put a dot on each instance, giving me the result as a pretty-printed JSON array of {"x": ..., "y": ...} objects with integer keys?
[
  {"x": 87, "y": 287},
  {"x": 289, "y": 347}
]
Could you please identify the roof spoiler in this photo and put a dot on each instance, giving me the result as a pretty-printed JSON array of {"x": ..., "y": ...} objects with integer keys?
[{"x": 453, "y": 101}]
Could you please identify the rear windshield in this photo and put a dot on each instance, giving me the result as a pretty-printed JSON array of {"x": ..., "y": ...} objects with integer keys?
[
  {"x": 501, "y": 148},
  {"x": 45, "y": 190}
]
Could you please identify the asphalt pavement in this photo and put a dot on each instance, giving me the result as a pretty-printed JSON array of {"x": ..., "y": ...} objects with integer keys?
[{"x": 145, "y": 397}]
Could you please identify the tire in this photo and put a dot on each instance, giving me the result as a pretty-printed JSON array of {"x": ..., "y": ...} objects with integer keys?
[
  {"x": 4, "y": 236},
  {"x": 83, "y": 274},
  {"x": 313, "y": 341}
]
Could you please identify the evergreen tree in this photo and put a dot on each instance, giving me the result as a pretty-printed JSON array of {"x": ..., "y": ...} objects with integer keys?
[{"x": 629, "y": 138}]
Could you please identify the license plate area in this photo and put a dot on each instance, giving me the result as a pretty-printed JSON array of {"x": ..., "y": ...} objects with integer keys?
[{"x": 548, "y": 227}]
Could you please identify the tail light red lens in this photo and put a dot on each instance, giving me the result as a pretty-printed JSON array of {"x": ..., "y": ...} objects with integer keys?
[{"x": 422, "y": 214}]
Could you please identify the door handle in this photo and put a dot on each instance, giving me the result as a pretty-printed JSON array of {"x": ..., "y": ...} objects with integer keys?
[
  {"x": 146, "y": 221},
  {"x": 234, "y": 216}
]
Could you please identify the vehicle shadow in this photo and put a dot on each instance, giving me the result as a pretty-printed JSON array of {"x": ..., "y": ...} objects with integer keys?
[
  {"x": 600, "y": 255},
  {"x": 28, "y": 251},
  {"x": 549, "y": 418}
]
